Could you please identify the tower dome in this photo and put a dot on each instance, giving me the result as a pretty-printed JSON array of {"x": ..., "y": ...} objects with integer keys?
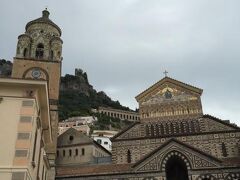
[
  {"x": 41, "y": 40},
  {"x": 43, "y": 20}
]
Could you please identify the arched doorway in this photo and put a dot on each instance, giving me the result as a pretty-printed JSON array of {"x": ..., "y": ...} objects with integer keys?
[{"x": 176, "y": 169}]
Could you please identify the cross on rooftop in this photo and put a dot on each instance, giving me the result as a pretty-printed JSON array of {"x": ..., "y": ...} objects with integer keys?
[{"x": 165, "y": 72}]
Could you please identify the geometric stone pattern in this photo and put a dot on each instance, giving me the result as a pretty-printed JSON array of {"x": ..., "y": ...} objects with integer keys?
[{"x": 191, "y": 159}]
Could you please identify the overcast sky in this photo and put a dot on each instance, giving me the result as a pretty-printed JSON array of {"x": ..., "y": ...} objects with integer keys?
[{"x": 125, "y": 45}]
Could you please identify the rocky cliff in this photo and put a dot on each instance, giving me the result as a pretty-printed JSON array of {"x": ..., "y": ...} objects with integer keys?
[{"x": 5, "y": 68}]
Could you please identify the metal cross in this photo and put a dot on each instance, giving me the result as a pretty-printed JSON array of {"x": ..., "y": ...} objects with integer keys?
[{"x": 165, "y": 72}]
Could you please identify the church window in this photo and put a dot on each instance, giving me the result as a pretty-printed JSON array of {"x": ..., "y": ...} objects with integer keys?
[
  {"x": 187, "y": 127},
  {"x": 57, "y": 153},
  {"x": 25, "y": 52},
  {"x": 171, "y": 128},
  {"x": 147, "y": 130},
  {"x": 197, "y": 128},
  {"x": 83, "y": 151},
  {"x": 64, "y": 153},
  {"x": 128, "y": 156},
  {"x": 70, "y": 152},
  {"x": 192, "y": 126},
  {"x": 224, "y": 150},
  {"x": 39, "y": 51},
  {"x": 161, "y": 129},
  {"x": 152, "y": 130},
  {"x": 177, "y": 128},
  {"x": 167, "y": 128}
]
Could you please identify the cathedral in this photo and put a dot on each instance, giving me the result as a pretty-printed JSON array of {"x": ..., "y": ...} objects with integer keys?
[{"x": 173, "y": 140}]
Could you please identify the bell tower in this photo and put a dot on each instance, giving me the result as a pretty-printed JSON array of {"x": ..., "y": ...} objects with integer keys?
[{"x": 39, "y": 56}]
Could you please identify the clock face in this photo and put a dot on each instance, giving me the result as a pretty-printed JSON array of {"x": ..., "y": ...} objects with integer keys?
[{"x": 36, "y": 73}]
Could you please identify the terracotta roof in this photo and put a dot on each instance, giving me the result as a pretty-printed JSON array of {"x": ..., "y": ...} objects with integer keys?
[
  {"x": 92, "y": 170},
  {"x": 165, "y": 79}
]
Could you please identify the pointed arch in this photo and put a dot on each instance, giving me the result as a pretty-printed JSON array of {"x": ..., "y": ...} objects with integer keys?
[
  {"x": 129, "y": 158},
  {"x": 161, "y": 129},
  {"x": 39, "y": 54}
]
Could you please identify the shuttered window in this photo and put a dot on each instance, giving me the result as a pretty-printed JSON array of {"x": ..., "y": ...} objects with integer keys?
[
  {"x": 25, "y": 119},
  {"x": 21, "y": 153},
  {"x": 23, "y": 136},
  {"x": 27, "y": 103},
  {"x": 18, "y": 176}
]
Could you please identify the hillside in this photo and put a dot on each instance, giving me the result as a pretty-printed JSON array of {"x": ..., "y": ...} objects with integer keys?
[
  {"x": 5, "y": 68},
  {"x": 77, "y": 95}
]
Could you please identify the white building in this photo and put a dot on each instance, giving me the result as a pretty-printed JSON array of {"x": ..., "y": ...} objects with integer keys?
[
  {"x": 80, "y": 123},
  {"x": 103, "y": 138},
  {"x": 79, "y": 120}
]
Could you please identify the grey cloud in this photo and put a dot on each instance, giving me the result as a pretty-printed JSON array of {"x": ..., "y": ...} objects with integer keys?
[{"x": 125, "y": 45}]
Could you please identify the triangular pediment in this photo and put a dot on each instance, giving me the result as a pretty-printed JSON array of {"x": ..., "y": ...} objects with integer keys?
[
  {"x": 73, "y": 136},
  {"x": 194, "y": 158},
  {"x": 176, "y": 90}
]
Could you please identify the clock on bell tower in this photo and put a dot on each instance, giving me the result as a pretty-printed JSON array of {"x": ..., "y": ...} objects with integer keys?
[{"x": 39, "y": 57}]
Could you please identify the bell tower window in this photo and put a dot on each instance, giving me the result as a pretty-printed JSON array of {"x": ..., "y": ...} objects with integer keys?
[
  {"x": 39, "y": 51},
  {"x": 51, "y": 54},
  {"x": 25, "y": 52},
  {"x": 59, "y": 54}
]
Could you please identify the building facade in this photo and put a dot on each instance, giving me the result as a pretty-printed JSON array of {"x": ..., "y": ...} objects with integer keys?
[
  {"x": 39, "y": 57},
  {"x": 75, "y": 148},
  {"x": 117, "y": 113},
  {"x": 25, "y": 131},
  {"x": 173, "y": 140},
  {"x": 103, "y": 137}
]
